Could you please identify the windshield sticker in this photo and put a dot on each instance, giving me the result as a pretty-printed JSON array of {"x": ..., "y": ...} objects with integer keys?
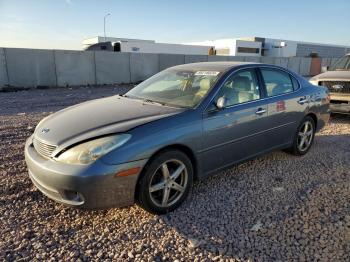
[{"x": 206, "y": 73}]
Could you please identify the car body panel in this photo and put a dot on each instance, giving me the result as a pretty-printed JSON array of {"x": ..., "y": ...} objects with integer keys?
[
  {"x": 215, "y": 138},
  {"x": 226, "y": 130},
  {"x": 97, "y": 183},
  {"x": 98, "y": 117}
]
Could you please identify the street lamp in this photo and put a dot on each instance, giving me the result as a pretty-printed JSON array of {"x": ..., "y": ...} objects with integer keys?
[{"x": 104, "y": 25}]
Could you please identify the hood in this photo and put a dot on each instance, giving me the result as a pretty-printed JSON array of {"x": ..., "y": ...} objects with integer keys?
[
  {"x": 98, "y": 117},
  {"x": 333, "y": 76}
]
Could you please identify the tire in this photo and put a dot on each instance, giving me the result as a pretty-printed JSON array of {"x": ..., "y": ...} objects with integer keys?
[
  {"x": 298, "y": 148},
  {"x": 165, "y": 182}
]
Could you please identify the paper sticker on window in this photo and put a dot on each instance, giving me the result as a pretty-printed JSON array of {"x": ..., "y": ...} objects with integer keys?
[{"x": 206, "y": 73}]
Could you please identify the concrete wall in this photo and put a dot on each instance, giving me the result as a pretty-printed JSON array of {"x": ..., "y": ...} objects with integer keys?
[
  {"x": 112, "y": 68},
  {"x": 169, "y": 60},
  {"x": 294, "y": 64},
  {"x": 3, "y": 70},
  {"x": 305, "y": 65},
  {"x": 236, "y": 58},
  {"x": 75, "y": 68},
  {"x": 35, "y": 67},
  {"x": 281, "y": 61},
  {"x": 143, "y": 66},
  {"x": 195, "y": 58},
  {"x": 268, "y": 60},
  {"x": 252, "y": 59},
  {"x": 30, "y": 69},
  {"x": 213, "y": 58}
]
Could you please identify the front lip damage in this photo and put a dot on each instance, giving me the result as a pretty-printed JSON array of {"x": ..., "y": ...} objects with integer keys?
[{"x": 97, "y": 183}]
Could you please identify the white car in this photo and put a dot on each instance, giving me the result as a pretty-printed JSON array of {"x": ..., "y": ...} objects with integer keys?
[{"x": 337, "y": 80}]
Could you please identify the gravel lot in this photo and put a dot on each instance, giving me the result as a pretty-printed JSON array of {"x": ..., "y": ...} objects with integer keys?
[{"x": 275, "y": 208}]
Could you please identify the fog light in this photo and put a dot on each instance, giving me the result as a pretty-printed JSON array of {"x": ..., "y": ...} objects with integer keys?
[{"x": 73, "y": 196}]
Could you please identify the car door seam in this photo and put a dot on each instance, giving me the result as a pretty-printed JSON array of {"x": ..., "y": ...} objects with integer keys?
[{"x": 244, "y": 137}]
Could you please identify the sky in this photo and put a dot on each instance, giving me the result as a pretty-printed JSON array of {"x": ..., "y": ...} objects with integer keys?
[{"x": 63, "y": 24}]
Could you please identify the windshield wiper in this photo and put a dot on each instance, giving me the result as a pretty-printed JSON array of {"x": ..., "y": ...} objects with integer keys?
[{"x": 153, "y": 102}]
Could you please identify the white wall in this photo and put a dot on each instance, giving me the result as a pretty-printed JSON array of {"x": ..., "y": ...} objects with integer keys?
[
  {"x": 249, "y": 44},
  {"x": 163, "y": 48},
  {"x": 289, "y": 50},
  {"x": 99, "y": 39},
  {"x": 232, "y": 44}
]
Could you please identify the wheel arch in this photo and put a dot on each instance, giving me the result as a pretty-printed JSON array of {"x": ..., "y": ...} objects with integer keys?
[
  {"x": 180, "y": 147},
  {"x": 314, "y": 117}
]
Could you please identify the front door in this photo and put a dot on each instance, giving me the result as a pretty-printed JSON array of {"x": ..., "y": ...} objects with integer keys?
[{"x": 235, "y": 132}]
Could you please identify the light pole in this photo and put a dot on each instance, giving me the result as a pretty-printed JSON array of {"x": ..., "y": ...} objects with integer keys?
[{"x": 104, "y": 25}]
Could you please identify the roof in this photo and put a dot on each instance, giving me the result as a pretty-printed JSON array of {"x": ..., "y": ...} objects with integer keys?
[{"x": 219, "y": 66}]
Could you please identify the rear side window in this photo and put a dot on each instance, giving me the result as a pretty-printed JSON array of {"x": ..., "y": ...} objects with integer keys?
[{"x": 278, "y": 82}]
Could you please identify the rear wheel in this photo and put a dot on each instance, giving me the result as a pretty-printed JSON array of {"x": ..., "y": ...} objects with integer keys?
[
  {"x": 304, "y": 137},
  {"x": 165, "y": 182}
]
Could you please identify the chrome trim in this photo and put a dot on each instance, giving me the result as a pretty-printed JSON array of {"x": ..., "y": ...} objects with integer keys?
[
  {"x": 260, "y": 111},
  {"x": 302, "y": 101},
  {"x": 42, "y": 148}
]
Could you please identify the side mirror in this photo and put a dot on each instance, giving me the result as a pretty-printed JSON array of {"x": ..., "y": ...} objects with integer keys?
[
  {"x": 324, "y": 69},
  {"x": 221, "y": 103}
]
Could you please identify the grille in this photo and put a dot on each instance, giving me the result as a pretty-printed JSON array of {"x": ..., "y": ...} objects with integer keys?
[
  {"x": 43, "y": 148},
  {"x": 330, "y": 85}
]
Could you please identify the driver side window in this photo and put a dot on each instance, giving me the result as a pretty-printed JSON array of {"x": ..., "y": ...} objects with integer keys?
[{"x": 239, "y": 88}]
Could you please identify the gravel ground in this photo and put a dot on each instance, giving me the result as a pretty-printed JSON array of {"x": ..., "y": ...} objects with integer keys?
[{"x": 277, "y": 207}]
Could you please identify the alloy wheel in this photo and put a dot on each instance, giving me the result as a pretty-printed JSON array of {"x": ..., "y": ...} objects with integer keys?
[
  {"x": 305, "y": 136},
  {"x": 168, "y": 183}
]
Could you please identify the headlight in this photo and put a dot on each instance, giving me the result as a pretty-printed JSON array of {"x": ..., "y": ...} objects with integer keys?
[
  {"x": 88, "y": 152},
  {"x": 313, "y": 82}
]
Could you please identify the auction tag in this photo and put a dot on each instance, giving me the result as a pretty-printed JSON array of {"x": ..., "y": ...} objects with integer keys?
[{"x": 206, "y": 73}]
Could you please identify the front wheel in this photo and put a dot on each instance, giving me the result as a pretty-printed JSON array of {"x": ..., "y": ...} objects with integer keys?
[
  {"x": 165, "y": 182},
  {"x": 304, "y": 137}
]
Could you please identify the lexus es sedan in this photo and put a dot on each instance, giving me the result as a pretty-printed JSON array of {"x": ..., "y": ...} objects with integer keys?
[{"x": 182, "y": 124}]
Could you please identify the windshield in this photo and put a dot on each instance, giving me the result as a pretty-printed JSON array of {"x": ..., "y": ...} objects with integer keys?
[
  {"x": 177, "y": 88},
  {"x": 342, "y": 64}
]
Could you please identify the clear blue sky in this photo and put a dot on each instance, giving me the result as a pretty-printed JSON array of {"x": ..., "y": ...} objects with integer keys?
[{"x": 64, "y": 23}]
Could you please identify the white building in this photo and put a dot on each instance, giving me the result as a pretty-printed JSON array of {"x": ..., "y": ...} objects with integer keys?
[
  {"x": 258, "y": 46},
  {"x": 289, "y": 48},
  {"x": 244, "y": 46},
  {"x": 141, "y": 46},
  {"x": 233, "y": 47}
]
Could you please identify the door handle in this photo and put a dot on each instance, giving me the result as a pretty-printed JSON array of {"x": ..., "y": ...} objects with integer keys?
[
  {"x": 260, "y": 111},
  {"x": 303, "y": 100}
]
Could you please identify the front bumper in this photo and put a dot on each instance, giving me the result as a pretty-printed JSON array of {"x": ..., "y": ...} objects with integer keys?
[
  {"x": 340, "y": 103},
  {"x": 91, "y": 186}
]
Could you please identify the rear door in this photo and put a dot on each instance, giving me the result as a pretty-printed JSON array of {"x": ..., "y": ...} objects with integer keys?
[
  {"x": 235, "y": 132},
  {"x": 286, "y": 104}
]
